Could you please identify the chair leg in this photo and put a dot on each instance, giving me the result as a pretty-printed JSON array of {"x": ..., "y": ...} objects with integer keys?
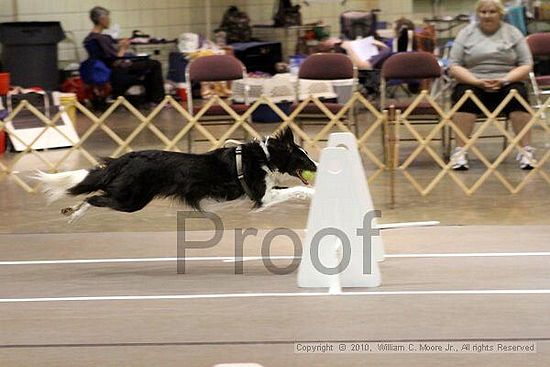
[
  {"x": 443, "y": 142},
  {"x": 536, "y": 92},
  {"x": 449, "y": 147},
  {"x": 355, "y": 121},
  {"x": 301, "y": 126},
  {"x": 190, "y": 141},
  {"x": 504, "y": 138},
  {"x": 383, "y": 140},
  {"x": 350, "y": 122},
  {"x": 391, "y": 151},
  {"x": 245, "y": 132}
]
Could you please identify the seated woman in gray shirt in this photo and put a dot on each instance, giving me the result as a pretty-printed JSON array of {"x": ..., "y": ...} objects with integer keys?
[{"x": 490, "y": 58}]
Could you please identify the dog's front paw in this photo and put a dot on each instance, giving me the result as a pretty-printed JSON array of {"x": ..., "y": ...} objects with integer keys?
[{"x": 305, "y": 193}]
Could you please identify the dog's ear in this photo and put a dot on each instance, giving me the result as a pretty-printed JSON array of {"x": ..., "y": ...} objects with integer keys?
[{"x": 286, "y": 136}]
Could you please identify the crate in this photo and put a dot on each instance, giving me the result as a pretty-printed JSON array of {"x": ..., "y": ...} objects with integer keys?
[{"x": 258, "y": 56}]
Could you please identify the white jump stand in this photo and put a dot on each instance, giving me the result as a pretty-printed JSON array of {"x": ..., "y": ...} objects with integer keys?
[
  {"x": 336, "y": 224},
  {"x": 348, "y": 141}
]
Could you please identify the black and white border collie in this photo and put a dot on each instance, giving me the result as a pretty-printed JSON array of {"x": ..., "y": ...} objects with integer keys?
[{"x": 130, "y": 182}]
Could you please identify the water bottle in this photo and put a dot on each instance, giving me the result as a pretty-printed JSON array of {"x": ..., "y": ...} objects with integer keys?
[{"x": 294, "y": 64}]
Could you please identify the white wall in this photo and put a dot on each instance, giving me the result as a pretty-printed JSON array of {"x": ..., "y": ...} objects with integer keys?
[
  {"x": 423, "y": 8},
  {"x": 160, "y": 18},
  {"x": 395, "y": 9},
  {"x": 6, "y": 10},
  {"x": 261, "y": 11},
  {"x": 169, "y": 18}
]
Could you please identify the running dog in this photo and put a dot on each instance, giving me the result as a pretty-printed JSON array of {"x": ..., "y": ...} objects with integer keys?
[{"x": 130, "y": 182}]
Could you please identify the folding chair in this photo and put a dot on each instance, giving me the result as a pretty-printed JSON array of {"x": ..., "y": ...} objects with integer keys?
[
  {"x": 334, "y": 67},
  {"x": 406, "y": 67},
  {"x": 214, "y": 68},
  {"x": 539, "y": 43}
]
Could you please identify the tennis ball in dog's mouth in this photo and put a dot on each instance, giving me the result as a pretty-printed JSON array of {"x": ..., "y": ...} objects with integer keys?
[{"x": 308, "y": 175}]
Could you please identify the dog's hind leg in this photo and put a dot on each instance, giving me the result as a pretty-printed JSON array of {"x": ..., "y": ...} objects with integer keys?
[
  {"x": 103, "y": 201},
  {"x": 128, "y": 206},
  {"x": 107, "y": 201},
  {"x": 77, "y": 211}
]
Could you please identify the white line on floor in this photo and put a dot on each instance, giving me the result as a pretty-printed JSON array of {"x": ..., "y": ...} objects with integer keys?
[
  {"x": 139, "y": 259},
  {"x": 255, "y": 258},
  {"x": 289, "y": 294},
  {"x": 428, "y": 223},
  {"x": 472, "y": 254},
  {"x": 99, "y": 261}
]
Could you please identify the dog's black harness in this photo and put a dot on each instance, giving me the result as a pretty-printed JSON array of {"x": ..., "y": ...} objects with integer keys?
[
  {"x": 240, "y": 173},
  {"x": 239, "y": 165}
]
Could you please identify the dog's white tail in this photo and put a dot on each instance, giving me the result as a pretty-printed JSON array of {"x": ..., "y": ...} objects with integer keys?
[{"x": 55, "y": 185}]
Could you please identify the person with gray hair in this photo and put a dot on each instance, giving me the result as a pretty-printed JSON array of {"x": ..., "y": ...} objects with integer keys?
[
  {"x": 125, "y": 71},
  {"x": 490, "y": 58},
  {"x": 98, "y": 14}
]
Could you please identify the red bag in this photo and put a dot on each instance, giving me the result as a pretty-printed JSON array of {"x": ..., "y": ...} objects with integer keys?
[
  {"x": 75, "y": 85},
  {"x": 2, "y": 141},
  {"x": 3, "y": 115},
  {"x": 425, "y": 39}
]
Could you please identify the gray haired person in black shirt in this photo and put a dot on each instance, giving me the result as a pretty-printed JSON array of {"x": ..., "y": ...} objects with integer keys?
[{"x": 125, "y": 72}]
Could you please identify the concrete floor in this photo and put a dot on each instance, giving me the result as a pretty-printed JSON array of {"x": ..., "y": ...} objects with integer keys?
[
  {"x": 204, "y": 331},
  {"x": 264, "y": 326}
]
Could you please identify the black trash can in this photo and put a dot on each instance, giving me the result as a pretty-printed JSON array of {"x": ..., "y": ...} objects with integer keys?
[{"x": 29, "y": 53}]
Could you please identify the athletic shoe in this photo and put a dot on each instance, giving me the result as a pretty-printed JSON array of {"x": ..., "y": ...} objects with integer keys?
[
  {"x": 526, "y": 158},
  {"x": 459, "y": 159}
]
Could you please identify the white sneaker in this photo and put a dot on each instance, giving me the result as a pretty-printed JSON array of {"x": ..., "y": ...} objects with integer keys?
[
  {"x": 526, "y": 158},
  {"x": 459, "y": 159}
]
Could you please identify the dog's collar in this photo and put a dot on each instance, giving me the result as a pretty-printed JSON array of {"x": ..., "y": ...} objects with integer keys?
[{"x": 240, "y": 171}]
